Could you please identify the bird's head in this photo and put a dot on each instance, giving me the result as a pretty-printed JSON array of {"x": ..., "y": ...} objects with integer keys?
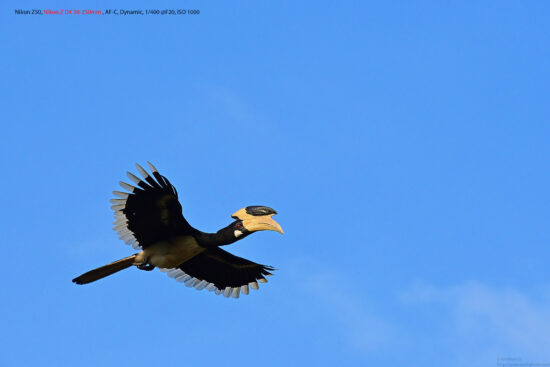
[{"x": 253, "y": 219}]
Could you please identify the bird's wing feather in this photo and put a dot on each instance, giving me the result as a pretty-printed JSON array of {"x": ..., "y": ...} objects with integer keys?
[
  {"x": 218, "y": 270},
  {"x": 150, "y": 212}
]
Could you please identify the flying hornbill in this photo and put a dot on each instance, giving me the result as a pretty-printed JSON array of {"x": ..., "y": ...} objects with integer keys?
[{"x": 149, "y": 217}]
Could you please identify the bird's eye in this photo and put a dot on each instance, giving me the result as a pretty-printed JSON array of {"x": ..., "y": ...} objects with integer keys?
[{"x": 239, "y": 225}]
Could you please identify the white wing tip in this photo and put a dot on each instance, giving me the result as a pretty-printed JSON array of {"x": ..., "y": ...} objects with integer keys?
[
  {"x": 236, "y": 291},
  {"x": 133, "y": 177},
  {"x": 142, "y": 171},
  {"x": 153, "y": 168},
  {"x": 126, "y": 186},
  {"x": 228, "y": 292}
]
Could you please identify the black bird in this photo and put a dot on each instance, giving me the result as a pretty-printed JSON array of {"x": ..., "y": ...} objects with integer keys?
[{"x": 149, "y": 217}]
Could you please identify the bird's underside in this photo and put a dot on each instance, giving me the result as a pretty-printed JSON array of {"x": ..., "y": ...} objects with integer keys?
[{"x": 149, "y": 218}]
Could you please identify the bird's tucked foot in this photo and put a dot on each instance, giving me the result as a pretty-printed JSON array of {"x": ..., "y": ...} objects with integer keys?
[{"x": 146, "y": 267}]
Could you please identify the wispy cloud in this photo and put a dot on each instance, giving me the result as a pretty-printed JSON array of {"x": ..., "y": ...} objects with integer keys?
[
  {"x": 234, "y": 105},
  {"x": 470, "y": 324},
  {"x": 359, "y": 323},
  {"x": 364, "y": 328},
  {"x": 491, "y": 323}
]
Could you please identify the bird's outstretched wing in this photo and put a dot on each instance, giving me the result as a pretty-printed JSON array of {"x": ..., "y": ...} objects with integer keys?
[
  {"x": 218, "y": 270},
  {"x": 150, "y": 212}
]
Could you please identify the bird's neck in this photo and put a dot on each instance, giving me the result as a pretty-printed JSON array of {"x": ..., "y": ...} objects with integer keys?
[{"x": 224, "y": 236}]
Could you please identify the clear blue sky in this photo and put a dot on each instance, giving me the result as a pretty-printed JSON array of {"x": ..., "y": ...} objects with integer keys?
[{"x": 405, "y": 147}]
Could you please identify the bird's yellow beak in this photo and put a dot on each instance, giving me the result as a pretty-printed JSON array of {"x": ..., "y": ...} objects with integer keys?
[
  {"x": 258, "y": 218},
  {"x": 265, "y": 223}
]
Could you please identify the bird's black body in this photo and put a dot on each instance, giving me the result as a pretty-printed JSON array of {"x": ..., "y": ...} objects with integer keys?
[{"x": 149, "y": 217}]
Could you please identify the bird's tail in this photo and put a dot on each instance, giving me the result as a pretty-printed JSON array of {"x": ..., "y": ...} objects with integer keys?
[{"x": 105, "y": 270}]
